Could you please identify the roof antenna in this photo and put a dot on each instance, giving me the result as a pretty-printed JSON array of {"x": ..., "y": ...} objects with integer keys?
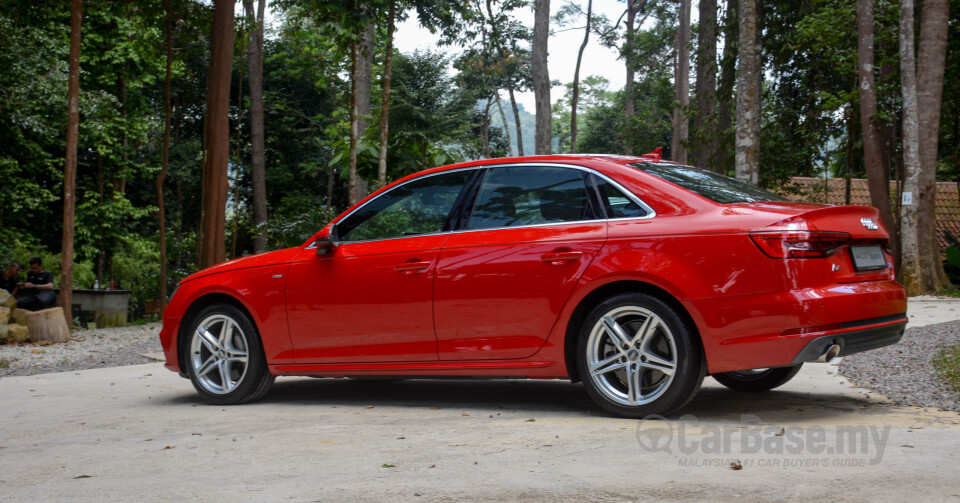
[{"x": 655, "y": 155}]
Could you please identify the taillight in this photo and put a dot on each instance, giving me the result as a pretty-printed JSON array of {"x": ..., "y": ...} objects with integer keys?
[{"x": 799, "y": 244}]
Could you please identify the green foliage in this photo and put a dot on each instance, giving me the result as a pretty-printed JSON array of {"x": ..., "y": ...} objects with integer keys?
[
  {"x": 947, "y": 365},
  {"x": 136, "y": 267}
]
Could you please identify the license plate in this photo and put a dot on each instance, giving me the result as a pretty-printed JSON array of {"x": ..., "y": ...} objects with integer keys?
[{"x": 868, "y": 258}]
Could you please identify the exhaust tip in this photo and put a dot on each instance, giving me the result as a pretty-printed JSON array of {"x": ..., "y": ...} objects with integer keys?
[{"x": 831, "y": 352}]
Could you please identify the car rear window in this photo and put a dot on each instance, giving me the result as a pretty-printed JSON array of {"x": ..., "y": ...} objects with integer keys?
[{"x": 715, "y": 187}]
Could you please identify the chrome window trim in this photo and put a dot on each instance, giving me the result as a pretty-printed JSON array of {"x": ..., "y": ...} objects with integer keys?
[{"x": 630, "y": 195}]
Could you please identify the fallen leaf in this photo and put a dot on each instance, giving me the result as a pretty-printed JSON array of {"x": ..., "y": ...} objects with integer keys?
[
  {"x": 389, "y": 465},
  {"x": 167, "y": 448},
  {"x": 369, "y": 406},
  {"x": 736, "y": 465},
  {"x": 907, "y": 445},
  {"x": 38, "y": 351},
  {"x": 148, "y": 440},
  {"x": 401, "y": 438},
  {"x": 530, "y": 421},
  {"x": 83, "y": 477},
  {"x": 432, "y": 466},
  {"x": 782, "y": 432},
  {"x": 464, "y": 414},
  {"x": 43, "y": 343}
]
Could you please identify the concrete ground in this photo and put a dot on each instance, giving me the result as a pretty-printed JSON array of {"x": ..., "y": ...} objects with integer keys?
[{"x": 141, "y": 433}]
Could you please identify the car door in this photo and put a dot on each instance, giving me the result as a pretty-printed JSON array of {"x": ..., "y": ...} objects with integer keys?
[
  {"x": 504, "y": 277},
  {"x": 370, "y": 298}
]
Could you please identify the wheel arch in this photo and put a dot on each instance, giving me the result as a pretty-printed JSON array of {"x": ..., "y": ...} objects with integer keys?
[
  {"x": 606, "y": 291},
  {"x": 199, "y": 304}
]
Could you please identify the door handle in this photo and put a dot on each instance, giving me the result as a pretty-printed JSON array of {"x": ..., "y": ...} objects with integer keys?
[
  {"x": 558, "y": 258},
  {"x": 411, "y": 267}
]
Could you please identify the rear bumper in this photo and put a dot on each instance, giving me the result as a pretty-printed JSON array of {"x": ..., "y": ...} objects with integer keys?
[{"x": 852, "y": 342}]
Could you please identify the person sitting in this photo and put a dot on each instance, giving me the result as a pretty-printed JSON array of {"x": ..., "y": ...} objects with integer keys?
[
  {"x": 10, "y": 278},
  {"x": 39, "y": 288}
]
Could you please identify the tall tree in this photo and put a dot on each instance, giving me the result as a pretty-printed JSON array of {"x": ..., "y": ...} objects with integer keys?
[
  {"x": 257, "y": 148},
  {"x": 629, "y": 109},
  {"x": 748, "y": 96},
  {"x": 931, "y": 56},
  {"x": 910, "y": 235},
  {"x": 70, "y": 161},
  {"x": 541, "y": 76},
  {"x": 878, "y": 174},
  {"x": 704, "y": 138},
  {"x": 724, "y": 160},
  {"x": 216, "y": 137},
  {"x": 574, "y": 100},
  {"x": 165, "y": 163},
  {"x": 364, "y": 79},
  {"x": 353, "y": 187},
  {"x": 385, "y": 97},
  {"x": 681, "y": 83}
]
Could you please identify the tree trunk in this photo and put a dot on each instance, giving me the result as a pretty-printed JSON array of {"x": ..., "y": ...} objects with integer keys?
[
  {"x": 681, "y": 87},
  {"x": 385, "y": 98},
  {"x": 216, "y": 142},
  {"x": 704, "y": 121},
  {"x": 165, "y": 163},
  {"x": 723, "y": 160},
  {"x": 516, "y": 119},
  {"x": 541, "y": 75},
  {"x": 485, "y": 130},
  {"x": 70, "y": 161},
  {"x": 353, "y": 194},
  {"x": 748, "y": 97},
  {"x": 506, "y": 128},
  {"x": 364, "y": 85},
  {"x": 576, "y": 81},
  {"x": 257, "y": 147},
  {"x": 909, "y": 224},
  {"x": 878, "y": 173},
  {"x": 628, "y": 105},
  {"x": 931, "y": 57}
]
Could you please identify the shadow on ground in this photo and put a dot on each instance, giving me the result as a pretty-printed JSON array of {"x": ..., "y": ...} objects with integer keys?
[{"x": 554, "y": 396}]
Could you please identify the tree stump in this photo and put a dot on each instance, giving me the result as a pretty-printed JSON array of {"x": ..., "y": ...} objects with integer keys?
[{"x": 48, "y": 325}]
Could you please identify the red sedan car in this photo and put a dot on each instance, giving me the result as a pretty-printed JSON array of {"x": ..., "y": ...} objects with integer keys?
[{"x": 636, "y": 276}]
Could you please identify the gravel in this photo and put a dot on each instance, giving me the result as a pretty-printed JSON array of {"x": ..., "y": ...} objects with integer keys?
[
  {"x": 903, "y": 372},
  {"x": 87, "y": 349}
]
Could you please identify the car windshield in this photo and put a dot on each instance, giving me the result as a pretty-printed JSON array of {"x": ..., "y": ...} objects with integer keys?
[{"x": 713, "y": 186}]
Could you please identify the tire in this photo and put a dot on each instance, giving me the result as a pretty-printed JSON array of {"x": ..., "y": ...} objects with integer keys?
[
  {"x": 224, "y": 346},
  {"x": 640, "y": 336},
  {"x": 758, "y": 379}
]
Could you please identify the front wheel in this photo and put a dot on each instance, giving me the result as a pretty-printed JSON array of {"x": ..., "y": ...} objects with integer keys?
[
  {"x": 225, "y": 359},
  {"x": 758, "y": 379},
  {"x": 638, "y": 357}
]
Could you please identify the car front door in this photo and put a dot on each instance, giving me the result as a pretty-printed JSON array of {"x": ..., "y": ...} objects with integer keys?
[
  {"x": 504, "y": 277},
  {"x": 369, "y": 299}
]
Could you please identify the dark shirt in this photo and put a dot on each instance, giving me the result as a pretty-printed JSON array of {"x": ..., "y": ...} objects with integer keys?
[
  {"x": 8, "y": 284},
  {"x": 38, "y": 279}
]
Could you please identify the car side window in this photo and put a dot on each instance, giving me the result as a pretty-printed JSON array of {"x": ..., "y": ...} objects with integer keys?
[
  {"x": 616, "y": 203},
  {"x": 417, "y": 207},
  {"x": 517, "y": 196}
]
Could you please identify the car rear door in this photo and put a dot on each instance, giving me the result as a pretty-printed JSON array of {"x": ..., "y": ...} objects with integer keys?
[{"x": 505, "y": 274}]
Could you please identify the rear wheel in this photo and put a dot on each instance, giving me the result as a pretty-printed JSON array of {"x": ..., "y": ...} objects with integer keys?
[
  {"x": 225, "y": 358},
  {"x": 757, "y": 379},
  {"x": 638, "y": 357}
]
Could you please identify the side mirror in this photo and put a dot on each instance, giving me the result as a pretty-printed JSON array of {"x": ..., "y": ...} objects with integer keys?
[{"x": 326, "y": 245}]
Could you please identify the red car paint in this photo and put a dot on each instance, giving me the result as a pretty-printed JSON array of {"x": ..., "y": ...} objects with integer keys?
[{"x": 500, "y": 302}]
